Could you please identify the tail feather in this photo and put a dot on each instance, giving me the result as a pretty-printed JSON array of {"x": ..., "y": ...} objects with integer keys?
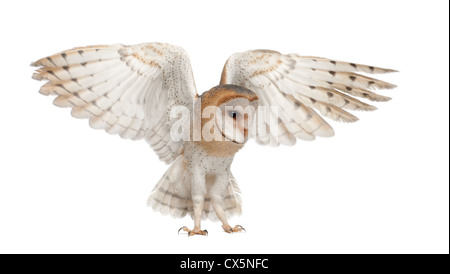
[
  {"x": 172, "y": 196},
  {"x": 169, "y": 196}
]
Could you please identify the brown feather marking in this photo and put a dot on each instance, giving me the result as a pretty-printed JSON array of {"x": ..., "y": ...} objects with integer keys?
[
  {"x": 148, "y": 62},
  {"x": 51, "y": 61},
  {"x": 264, "y": 71},
  {"x": 155, "y": 50}
]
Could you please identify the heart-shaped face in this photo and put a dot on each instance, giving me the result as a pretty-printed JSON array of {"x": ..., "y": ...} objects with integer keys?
[{"x": 234, "y": 118}]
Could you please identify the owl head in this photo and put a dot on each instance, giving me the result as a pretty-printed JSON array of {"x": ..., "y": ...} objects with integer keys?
[{"x": 227, "y": 113}]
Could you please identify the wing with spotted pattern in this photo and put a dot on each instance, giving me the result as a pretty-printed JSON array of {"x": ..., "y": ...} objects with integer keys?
[
  {"x": 125, "y": 90},
  {"x": 299, "y": 87}
]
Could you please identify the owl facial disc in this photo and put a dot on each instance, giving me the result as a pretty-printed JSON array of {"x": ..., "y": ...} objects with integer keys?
[{"x": 234, "y": 118}]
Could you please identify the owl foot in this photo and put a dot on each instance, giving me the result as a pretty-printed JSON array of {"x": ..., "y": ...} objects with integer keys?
[
  {"x": 194, "y": 231},
  {"x": 229, "y": 229}
]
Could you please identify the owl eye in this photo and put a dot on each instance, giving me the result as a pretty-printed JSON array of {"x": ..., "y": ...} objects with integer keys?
[{"x": 233, "y": 114}]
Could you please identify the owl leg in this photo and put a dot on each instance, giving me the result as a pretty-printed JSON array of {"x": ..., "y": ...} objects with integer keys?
[
  {"x": 198, "y": 211},
  {"x": 217, "y": 203},
  {"x": 198, "y": 191}
]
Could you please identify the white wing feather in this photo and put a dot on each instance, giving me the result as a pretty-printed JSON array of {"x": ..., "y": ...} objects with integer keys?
[
  {"x": 125, "y": 90},
  {"x": 298, "y": 86}
]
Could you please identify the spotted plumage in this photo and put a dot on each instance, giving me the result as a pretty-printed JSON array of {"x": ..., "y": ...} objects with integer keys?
[{"x": 133, "y": 91}]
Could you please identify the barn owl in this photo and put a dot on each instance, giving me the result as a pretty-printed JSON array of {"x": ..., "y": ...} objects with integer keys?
[{"x": 133, "y": 91}]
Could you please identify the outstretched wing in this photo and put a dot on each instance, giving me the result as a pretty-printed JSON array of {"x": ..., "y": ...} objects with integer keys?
[
  {"x": 125, "y": 90},
  {"x": 300, "y": 86}
]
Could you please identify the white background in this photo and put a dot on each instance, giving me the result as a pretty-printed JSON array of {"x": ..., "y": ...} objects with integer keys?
[{"x": 379, "y": 186}]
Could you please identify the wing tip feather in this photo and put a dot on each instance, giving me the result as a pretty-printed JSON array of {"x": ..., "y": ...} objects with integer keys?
[
  {"x": 37, "y": 76},
  {"x": 390, "y": 71},
  {"x": 352, "y": 119},
  {"x": 372, "y": 108},
  {"x": 383, "y": 99},
  {"x": 45, "y": 92}
]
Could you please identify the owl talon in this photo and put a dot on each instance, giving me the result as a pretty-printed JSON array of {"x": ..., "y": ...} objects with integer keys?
[
  {"x": 183, "y": 228},
  {"x": 193, "y": 232},
  {"x": 199, "y": 232},
  {"x": 237, "y": 228}
]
